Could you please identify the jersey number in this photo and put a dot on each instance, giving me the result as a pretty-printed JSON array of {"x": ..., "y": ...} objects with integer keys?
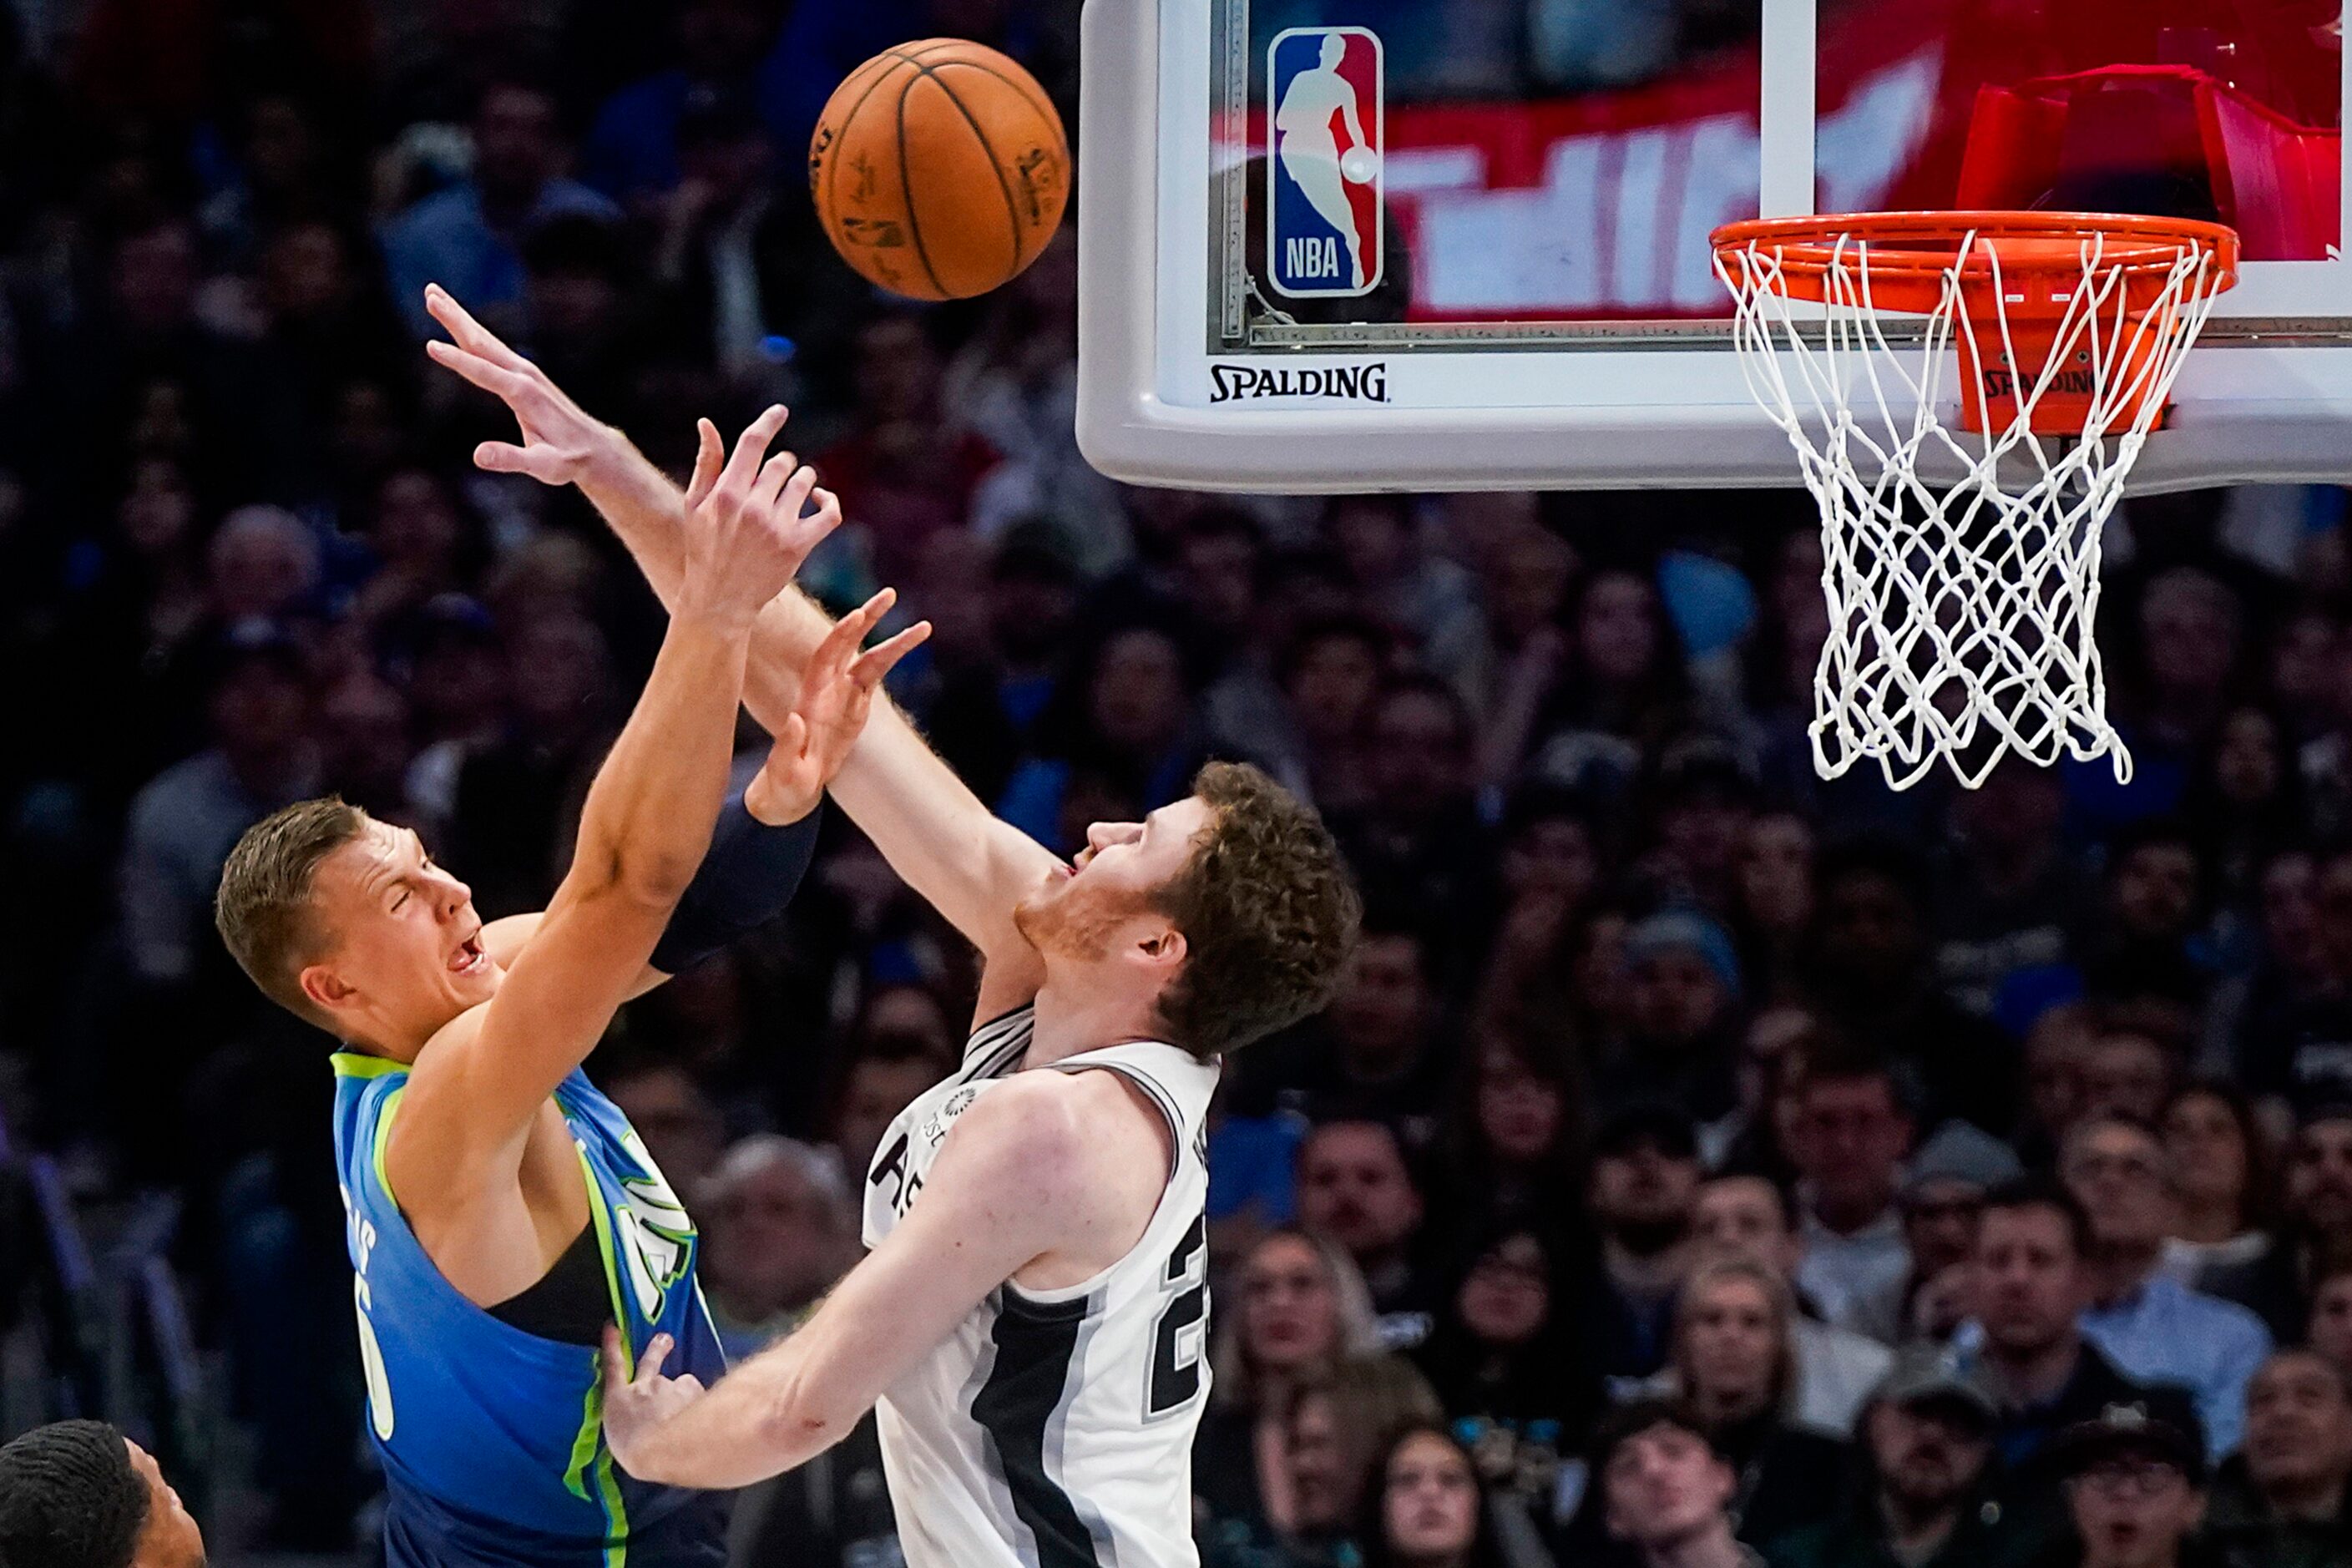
[{"x": 1176, "y": 1344}]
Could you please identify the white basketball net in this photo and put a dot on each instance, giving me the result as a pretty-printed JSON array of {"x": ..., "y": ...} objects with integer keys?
[{"x": 1961, "y": 613}]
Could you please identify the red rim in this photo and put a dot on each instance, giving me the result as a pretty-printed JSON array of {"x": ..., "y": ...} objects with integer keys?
[{"x": 1917, "y": 245}]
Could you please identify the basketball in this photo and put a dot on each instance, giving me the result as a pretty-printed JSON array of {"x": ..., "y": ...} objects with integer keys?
[
  {"x": 939, "y": 169},
  {"x": 1358, "y": 164}
]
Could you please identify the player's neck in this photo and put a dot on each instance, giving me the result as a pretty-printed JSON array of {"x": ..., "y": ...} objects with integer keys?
[{"x": 1076, "y": 1011}]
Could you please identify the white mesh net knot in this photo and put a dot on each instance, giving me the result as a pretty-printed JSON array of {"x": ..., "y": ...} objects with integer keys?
[{"x": 1961, "y": 570}]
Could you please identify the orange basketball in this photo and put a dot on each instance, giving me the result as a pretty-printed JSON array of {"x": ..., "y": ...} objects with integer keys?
[{"x": 939, "y": 169}]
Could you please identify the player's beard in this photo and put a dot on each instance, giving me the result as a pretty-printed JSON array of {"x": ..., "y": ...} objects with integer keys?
[{"x": 1078, "y": 923}]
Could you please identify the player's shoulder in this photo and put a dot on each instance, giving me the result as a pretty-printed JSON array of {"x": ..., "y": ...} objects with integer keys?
[{"x": 1047, "y": 1128}]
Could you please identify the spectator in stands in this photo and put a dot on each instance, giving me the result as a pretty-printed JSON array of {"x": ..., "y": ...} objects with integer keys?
[
  {"x": 2155, "y": 903},
  {"x": 2290, "y": 979},
  {"x": 1335, "y": 1431},
  {"x": 2151, "y": 1326},
  {"x": 2316, "y": 1230},
  {"x": 2135, "y": 1486},
  {"x": 779, "y": 1227},
  {"x": 79, "y": 1494},
  {"x": 1427, "y": 1507},
  {"x": 2010, "y": 893},
  {"x": 1304, "y": 1312},
  {"x": 2328, "y": 1328},
  {"x": 1703, "y": 804},
  {"x": 1416, "y": 843},
  {"x": 1502, "y": 1363},
  {"x": 2225, "y": 1192},
  {"x": 1851, "y": 1132},
  {"x": 1126, "y": 718},
  {"x": 1663, "y": 1490},
  {"x": 1622, "y": 687},
  {"x": 1516, "y": 1141},
  {"x": 2033, "y": 1282},
  {"x": 1875, "y": 982},
  {"x": 1646, "y": 1174},
  {"x": 1776, "y": 901},
  {"x": 1944, "y": 1187},
  {"x": 637, "y": 150},
  {"x": 1383, "y": 1062},
  {"x": 2133, "y": 1060},
  {"x": 2286, "y": 1502},
  {"x": 1743, "y": 1216},
  {"x": 1735, "y": 1365},
  {"x": 1682, "y": 1005},
  {"x": 1355, "y": 1188},
  {"x": 185, "y": 819},
  {"x": 468, "y": 237},
  {"x": 1927, "y": 1436}
]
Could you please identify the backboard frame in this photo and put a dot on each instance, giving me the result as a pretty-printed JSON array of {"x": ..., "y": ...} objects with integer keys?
[{"x": 2266, "y": 398}]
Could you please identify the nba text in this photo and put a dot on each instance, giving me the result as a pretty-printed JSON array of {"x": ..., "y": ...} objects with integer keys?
[{"x": 1354, "y": 382}]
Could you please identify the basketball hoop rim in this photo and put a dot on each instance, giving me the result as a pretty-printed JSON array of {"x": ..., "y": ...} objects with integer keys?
[{"x": 2025, "y": 245}]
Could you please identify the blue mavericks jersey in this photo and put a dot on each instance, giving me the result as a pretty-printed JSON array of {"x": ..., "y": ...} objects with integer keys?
[{"x": 492, "y": 1440}]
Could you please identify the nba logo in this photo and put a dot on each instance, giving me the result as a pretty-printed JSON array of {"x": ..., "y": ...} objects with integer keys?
[{"x": 1323, "y": 143}]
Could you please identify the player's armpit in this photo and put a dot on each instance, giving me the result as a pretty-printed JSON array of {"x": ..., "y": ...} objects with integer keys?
[{"x": 1010, "y": 1185}]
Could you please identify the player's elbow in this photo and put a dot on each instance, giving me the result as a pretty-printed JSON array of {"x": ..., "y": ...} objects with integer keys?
[
  {"x": 797, "y": 1424},
  {"x": 645, "y": 875}
]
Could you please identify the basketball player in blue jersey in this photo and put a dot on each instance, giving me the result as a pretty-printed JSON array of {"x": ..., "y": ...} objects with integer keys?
[
  {"x": 503, "y": 1212},
  {"x": 1030, "y": 1320}
]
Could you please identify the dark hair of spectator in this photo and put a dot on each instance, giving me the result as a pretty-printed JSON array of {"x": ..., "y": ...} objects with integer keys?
[
  {"x": 2043, "y": 1193},
  {"x": 1885, "y": 859},
  {"x": 1267, "y": 913},
  {"x": 1630, "y": 1421},
  {"x": 1371, "y": 1529},
  {"x": 263, "y": 908},
  {"x": 69, "y": 1499},
  {"x": 1362, "y": 629}
]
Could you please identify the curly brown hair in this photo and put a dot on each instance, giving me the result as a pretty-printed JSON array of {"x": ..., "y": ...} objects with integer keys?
[
  {"x": 1267, "y": 913},
  {"x": 263, "y": 908}
]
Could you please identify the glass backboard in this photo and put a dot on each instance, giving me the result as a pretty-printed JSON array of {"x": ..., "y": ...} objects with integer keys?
[{"x": 1430, "y": 243}]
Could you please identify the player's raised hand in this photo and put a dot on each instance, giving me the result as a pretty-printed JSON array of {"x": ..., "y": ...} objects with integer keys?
[
  {"x": 836, "y": 694},
  {"x": 560, "y": 442},
  {"x": 751, "y": 527},
  {"x": 635, "y": 1407}
]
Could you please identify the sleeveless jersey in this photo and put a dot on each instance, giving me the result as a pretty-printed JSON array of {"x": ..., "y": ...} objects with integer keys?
[
  {"x": 492, "y": 1439},
  {"x": 1053, "y": 1430}
]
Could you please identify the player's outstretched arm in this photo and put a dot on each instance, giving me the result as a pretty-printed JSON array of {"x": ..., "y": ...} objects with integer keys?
[
  {"x": 934, "y": 831},
  {"x": 1020, "y": 1176},
  {"x": 647, "y": 820}
]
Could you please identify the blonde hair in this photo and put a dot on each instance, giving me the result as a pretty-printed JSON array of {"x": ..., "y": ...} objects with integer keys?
[
  {"x": 1236, "y": 1382},
  {"x": 1776, "y": 1293}
]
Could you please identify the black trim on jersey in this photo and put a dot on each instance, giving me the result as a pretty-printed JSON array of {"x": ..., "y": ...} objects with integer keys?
[
  {"x": 986, "y": 1059},
  {"x": 1151, "y": 1091},
  {"x": 1035, "y": 1343}
]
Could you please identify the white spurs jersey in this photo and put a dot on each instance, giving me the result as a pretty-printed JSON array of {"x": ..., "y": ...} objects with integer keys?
[{"x": 1055, "y": 1430}]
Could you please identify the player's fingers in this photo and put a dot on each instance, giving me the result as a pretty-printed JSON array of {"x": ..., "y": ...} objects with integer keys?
[
  {"x": 793, "y": 499},
  {"x": 649, "y": 1364},
  {"x": 770, "y": 486},
  {"x": 444, "y": 308},
  {"x": 826, "y": 513},
  {"x": 689, "y": 1381},
  {"x": 879, "y": 660},
  {"x": 709, "y": 456},
  {"x": 791, "y": 737},
  {"x": 496, "y": 380},
  {"x": 750, "y": 451},
  {"x": 616, "y": 1362},
  {"x": 541, "y": 463}
]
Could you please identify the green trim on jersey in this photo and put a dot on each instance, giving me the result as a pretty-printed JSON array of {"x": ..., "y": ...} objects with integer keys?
[{"x": 359, "y": 1064}]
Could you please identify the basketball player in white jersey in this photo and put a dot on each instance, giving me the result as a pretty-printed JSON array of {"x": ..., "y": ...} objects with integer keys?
[{"x": 1032, "y": 1318}]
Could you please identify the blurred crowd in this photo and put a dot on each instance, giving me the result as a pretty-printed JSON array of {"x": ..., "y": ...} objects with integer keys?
[{"x": 1699, "y": 1160}]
